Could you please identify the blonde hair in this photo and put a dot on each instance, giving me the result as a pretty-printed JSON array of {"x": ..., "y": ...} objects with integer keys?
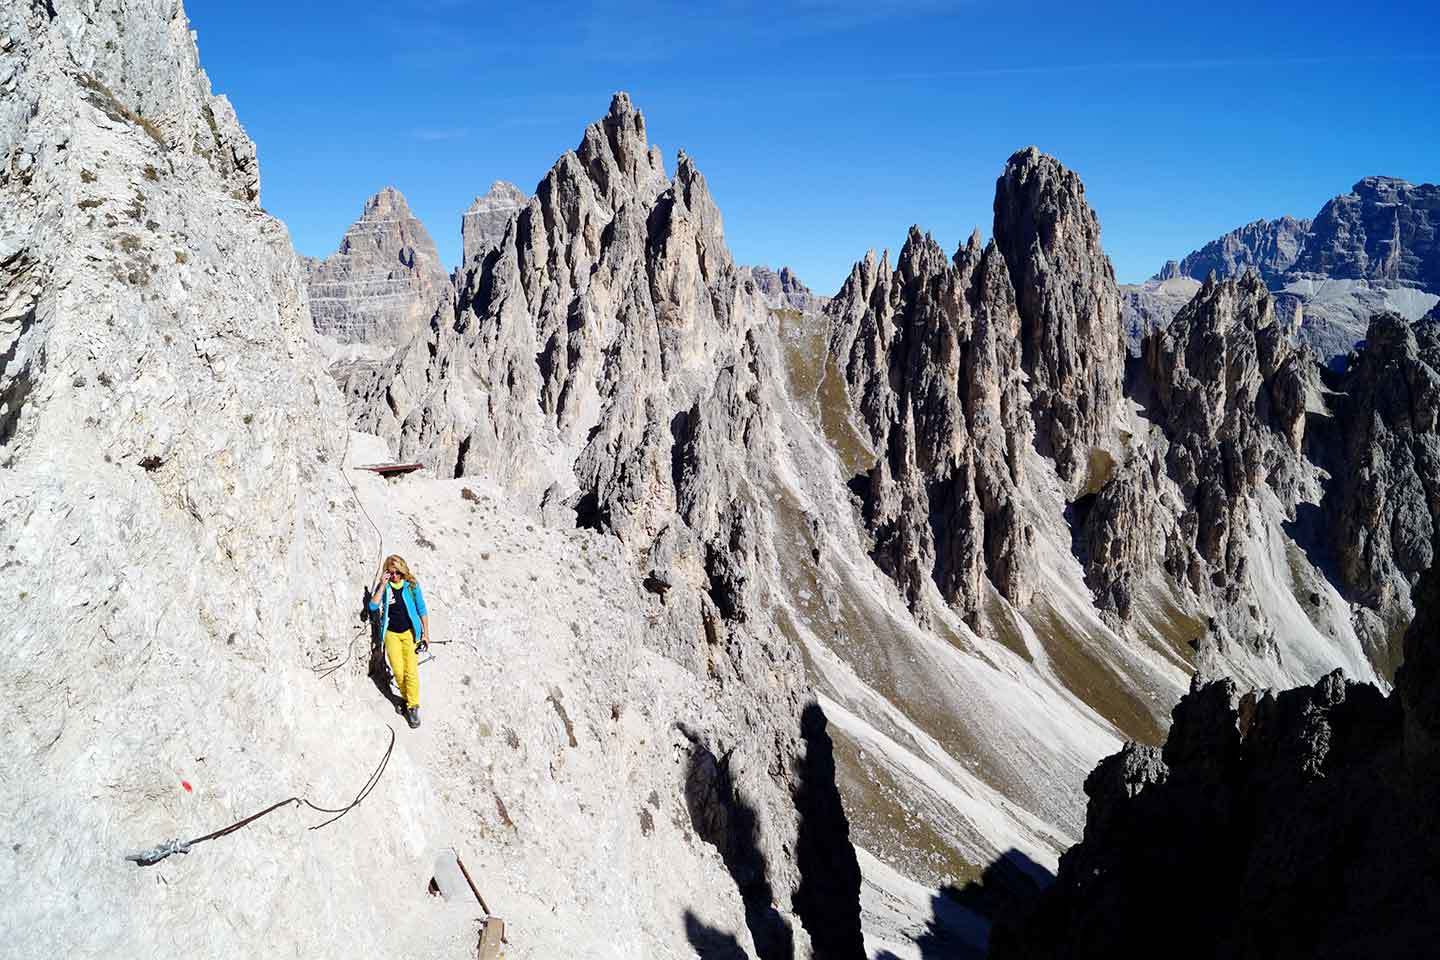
[{"x": 397, "y": 563}]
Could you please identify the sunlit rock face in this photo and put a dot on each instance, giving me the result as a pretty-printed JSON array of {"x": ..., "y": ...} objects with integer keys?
[{"x": 385, "y": 283}]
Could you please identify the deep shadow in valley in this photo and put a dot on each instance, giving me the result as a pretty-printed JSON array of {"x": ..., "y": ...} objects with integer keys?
[
  {"x": 827, "y": 898},
  {"x": 961, "y": 917}
]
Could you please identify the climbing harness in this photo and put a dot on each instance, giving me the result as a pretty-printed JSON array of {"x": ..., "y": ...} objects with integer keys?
[{"x": 153, "y": 855}]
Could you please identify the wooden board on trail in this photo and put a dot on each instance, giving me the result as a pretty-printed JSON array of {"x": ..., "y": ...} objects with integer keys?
[
  {"x": 491, "y": 936},
  {"x": 389, "y": 469}
]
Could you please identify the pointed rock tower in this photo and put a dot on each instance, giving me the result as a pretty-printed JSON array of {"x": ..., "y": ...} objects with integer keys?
[
  {"x": 482, "y": 227},
  {"x": 385, "y": 283},
  {"x": 1071, "y": 334}
]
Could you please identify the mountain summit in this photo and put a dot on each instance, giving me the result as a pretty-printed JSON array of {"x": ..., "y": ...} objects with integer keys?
[{"x": 385, "y": 282}]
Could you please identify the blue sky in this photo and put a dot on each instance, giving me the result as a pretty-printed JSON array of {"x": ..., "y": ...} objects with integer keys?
[{"x": 827, "y": 127}]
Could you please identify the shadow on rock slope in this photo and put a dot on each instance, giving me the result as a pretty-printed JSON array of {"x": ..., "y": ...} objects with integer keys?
[
  {"x": 827, "y": 898},
  {"x": 959, "y": 928}
]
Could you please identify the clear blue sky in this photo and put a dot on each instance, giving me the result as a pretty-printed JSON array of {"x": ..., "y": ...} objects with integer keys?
[{"x": 827, "y": 128}]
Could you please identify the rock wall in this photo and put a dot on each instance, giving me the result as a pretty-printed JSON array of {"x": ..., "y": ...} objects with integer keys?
[
  {"x": 1229, "y": 392},
  {"x": 1384, "y": 229},
  {"x": 482, "y": 226},
  {"x": 188, "y": 552},
  {"x": 169, "y": 457},
  {"x": 1268, "y": 247},
  {"x": 1070, "y": 325},
  {"x": 931, "y": 357},
  {"x": 385, "y": 283},
  {"x": 783, "y": 290},
  {"x": 1150, "y": 306},
  {"x": 1383, "y": 501},
  {"x": 1370, "y": 251}
]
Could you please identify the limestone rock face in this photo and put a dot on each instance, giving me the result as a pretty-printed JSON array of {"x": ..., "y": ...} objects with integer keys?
[
  {"x": 1229, "y": 392},
  {"x": 783, "y": 290},
  {"x": 385, "y": 283},
  {"x": 188, "y": 546},
  {"x": 1151, "y": 306},
  {"x": 1268, "y": 247},
  {"x": 1305, "y": 819},
  {"x": 932, "y": 360},
  {"x": 1070, "y": 324},
  {"x": 482, "y": 227},
  {"x": 1373, "y": 250},
  {"x": 1384, "y": 229},
  {"x": 168, "y": 450},
  {"x": 1132, "y": 529},
  {"x": 1383, "y": 502}
]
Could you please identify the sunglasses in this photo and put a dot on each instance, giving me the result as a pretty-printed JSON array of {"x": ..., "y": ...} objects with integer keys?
[{"x": 393, "y": 573}]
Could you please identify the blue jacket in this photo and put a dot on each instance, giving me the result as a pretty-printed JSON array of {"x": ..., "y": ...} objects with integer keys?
[{"x": 414, "y": 605}]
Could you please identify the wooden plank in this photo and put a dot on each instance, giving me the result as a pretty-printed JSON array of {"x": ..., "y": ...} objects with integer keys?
[
  {"x": 491, "y": 936},
  {"x": 389, "y": 467}
]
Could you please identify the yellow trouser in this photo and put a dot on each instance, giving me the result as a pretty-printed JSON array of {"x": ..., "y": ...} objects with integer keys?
[{"x": 400, "y": 651}]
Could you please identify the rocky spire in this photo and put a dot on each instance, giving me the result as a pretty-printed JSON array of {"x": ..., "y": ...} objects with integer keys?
[
  {"x": 385, "y": 283},
  {"x": 1229, "y": 392},
  {"x": 483, "y": 225},
  {"x": 932, "y": 363},
  {"x": 1070, "y": 325},
  {"x": 618, "y": 158},
  {"x": 607, "y": 365},
  {"x": 1383, "y": 501}
]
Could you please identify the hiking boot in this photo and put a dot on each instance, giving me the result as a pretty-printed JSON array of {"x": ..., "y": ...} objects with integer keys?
[{"x": 412, "y": 717}]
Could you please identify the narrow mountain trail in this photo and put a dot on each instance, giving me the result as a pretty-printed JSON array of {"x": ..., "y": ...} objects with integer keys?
[{"x": 542, "y": 718}]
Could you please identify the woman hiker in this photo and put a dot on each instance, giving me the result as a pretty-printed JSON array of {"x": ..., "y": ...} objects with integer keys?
[{"x": 405, "y": 625}]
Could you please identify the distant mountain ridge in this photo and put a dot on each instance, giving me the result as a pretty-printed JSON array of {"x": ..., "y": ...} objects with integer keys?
[
  {"x": 1372, "y": 250},
  {"x": 1270, "y": 246},
  {"x": 1384, "y": 229}
]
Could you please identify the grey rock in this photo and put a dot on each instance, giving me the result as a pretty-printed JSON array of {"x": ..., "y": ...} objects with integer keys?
[
  {"x": 168, "y": 441},
  {"x": 1330, "y": 316},
  {"x": 932, "y": 362},
  {"x": 482, "y": 227},
  {"x": 609, "y": 347},
  {"x": 783, "y": 290},
  {"x": 172, "y": 474},
  {"x": 385, "y": 283},
  {"x": 1383, "y": 502},
  {"x": 1230, "y": 393},
  {"x": 1150, "y": 306},
  {"x": 1120, "y": 777},
  {"x": 1130, "y": 530},
  {"x": 1070, "y": 324},
  {"x": 1269, "y": 247},
  {"x": 1384, "y": 229},
  {"x": 1372, "y": 250},
  {"x": 1257, "y": 804}
]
